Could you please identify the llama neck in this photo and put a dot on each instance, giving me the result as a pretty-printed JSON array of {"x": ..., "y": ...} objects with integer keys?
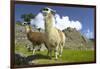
[
  {"x": 28, "y": 29},
  {"x": 48, "y": 23}
]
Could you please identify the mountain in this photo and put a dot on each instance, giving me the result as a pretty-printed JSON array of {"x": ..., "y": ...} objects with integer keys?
[{"x": 75, "y": 40}]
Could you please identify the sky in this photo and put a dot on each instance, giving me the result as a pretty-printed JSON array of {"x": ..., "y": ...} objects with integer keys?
[{"x": 80, "y": 18}]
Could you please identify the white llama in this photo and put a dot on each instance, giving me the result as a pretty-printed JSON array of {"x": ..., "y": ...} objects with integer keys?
[{"x": 55, "y": 37}]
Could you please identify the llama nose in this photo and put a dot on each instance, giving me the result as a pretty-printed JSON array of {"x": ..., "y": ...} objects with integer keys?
[{"x": 44, "y": 13}]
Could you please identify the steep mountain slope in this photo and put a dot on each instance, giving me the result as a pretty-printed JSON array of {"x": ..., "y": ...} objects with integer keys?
[{"x": 75, "y": 40}]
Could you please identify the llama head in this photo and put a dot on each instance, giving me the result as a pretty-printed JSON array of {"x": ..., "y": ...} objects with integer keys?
[
  {"x": 47, "y": 11},
  {"x": 25, "y": 23},
  {"x": 27, "y": 26}
]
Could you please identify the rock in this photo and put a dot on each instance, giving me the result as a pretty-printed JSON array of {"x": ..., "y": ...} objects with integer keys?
[{"x": 74, "y": 39}]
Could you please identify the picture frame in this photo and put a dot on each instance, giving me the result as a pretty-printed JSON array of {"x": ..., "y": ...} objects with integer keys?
[{"x": 74, "y": 53}]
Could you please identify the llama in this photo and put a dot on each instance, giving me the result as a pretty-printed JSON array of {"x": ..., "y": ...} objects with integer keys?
[
  {"x": 62, "y": 37},
  {"x": 37, "y": 38},
  {"x": 55, "y": 37}
]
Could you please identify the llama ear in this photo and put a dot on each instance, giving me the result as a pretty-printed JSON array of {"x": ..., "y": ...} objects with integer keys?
[
  {"x": 24, "y": 23},
  {"x": 53, "y": 12},
  {"x": 28, "y": 23}
]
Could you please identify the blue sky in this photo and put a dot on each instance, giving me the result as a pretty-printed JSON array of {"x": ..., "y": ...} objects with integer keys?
[{"x": 81, "y": 14}]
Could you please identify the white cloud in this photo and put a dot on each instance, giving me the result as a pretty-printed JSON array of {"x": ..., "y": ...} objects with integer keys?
[
  {"x": 38, "y": 21},
  {"x": 61, "y": 22},
  {"x": 89, "y": 34},
  {"x": 64, "y": 22}
]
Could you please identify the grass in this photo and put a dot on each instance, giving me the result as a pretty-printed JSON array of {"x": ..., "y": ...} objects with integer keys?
[
  {"x": 71, "y": 56},
  {"x": 78, "y": 55},
  {"x": 68, "y": 56}
]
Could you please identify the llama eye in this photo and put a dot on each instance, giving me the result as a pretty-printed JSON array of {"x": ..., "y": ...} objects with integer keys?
[
  {"x": 45, "y": 9},
  {"x": 24, "y": 23}
]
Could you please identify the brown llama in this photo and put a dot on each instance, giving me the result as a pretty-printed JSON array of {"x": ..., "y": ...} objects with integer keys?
[{"x": 36, "y": 38}]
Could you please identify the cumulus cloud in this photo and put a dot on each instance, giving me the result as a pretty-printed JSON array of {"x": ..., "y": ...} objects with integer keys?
[
  {"x": 64, "y": 22},
  {"x": 58, "y": 21},
  {"x": 89, "y": 34},
  {"x": 38, "y": 21}
]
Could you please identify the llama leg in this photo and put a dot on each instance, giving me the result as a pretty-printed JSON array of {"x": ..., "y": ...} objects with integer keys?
[
  {"x": 61, "y": 49},
  {"x": 39, "y": 48},
  {"x": 34, "y": 49},
  {"x": 49, "y": 50},
  {"x": 56, "y": 52},
  {"x": 50, "y": 53}
]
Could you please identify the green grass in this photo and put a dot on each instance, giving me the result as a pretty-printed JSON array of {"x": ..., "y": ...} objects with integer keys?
[
  {"x": 78, "y": 55},
  {"x": 68, "y": 56}
]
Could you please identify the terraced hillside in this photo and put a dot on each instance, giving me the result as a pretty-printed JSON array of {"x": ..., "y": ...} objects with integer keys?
[{"x": 78, "y": 46}]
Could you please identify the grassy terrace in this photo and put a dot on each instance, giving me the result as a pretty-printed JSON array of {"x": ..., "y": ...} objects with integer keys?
[{"x": 68, "y": 56}]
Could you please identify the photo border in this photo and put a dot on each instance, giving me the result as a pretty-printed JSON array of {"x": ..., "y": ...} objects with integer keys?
[{"x": 12, "y": 32}]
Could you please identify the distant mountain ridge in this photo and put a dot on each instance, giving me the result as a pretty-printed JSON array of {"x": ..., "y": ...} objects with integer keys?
[{"x": 74, "y": 39}]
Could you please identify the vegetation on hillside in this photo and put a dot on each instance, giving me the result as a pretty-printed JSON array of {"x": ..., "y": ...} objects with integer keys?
[
  {"x": 72, "y": 51},
  {"x": 23, "y": 56},
  {"x": 77, "y": 47},
  {"x": 27, "y": 17}
]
